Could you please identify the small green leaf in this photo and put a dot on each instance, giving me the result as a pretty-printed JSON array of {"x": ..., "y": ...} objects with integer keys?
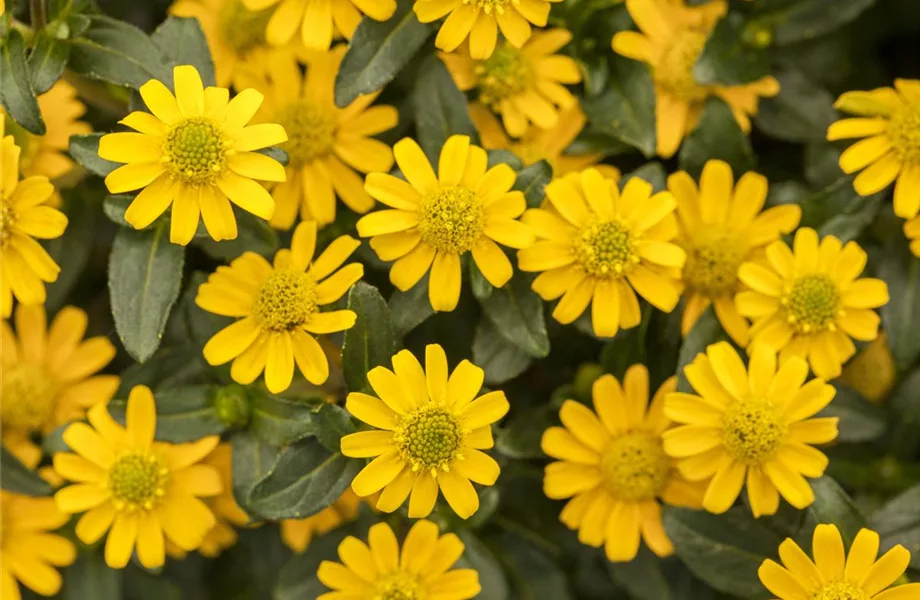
[
  {"x": 410, "y": 309},
  {"x": 85, "y": 150},
  {"x": 860, "y": 420},
  {"x": 182, "y": 42},
  {"x": 16, "y": 85},
  {"x": 252, "y": 460},
  {"x": 532, "y": 182},
  {"x": 255, "y": 235},
  {"x": 279, "y": 421},
  {"x": 20, "y": 479},
  {"x": 476, "y": 555},
  {"x": 117, "y": 52},
  {"x": 904, "y": 406},
  {"x": 187, "y": 414},
  {"x": 901, "y": 316},
  {"x": 833, "y": 505},
  {"x": 72, "y": 250},
  {"x": 626, "y": 110},
  {"x": 652, "y": 172},
  {"x": 808, "y": 19},
  {"x": 801, "y": 112},
  {"x": 91, "y": 579},
  {"x": 516, "y": 313},
  {"x": 145, "y": 274},
  {"x": 114, "y": 207},
  {"x": 47, "y": 61},
  {"x": 521, "y": 434},
  {"x": 504, "y": 157},
  {"x": 898, "y": 522},
  {"x": 500, "y": 359},
  {"x": 440, "y": 109},
  {"x": 718, "y": 135},
  {"x": 331, "y": 423},
  {"x": 642, "y": 577},
  {"x": 372, "y": 341},
  {"x": 728, "y": 58},
  {"x": 167, "y": 368},
  {"x": 706, "y": 331},
  {"x": 531, "y": 572}
]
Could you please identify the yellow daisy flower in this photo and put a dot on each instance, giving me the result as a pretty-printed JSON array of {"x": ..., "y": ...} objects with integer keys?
[
  {"x": 137, "y": 489},
  {"x": 872, "y": 371},
  {"x": 224, "y": 506},
  {"x": 438, "y": 218},
  {"x": 750, "y": 423},
  {"x": 319, "y": 20},
  {"x": 278, "y": 307},
  {"x": 889, "y": 119},
  {"x": 25, "y": 266},
  {"x": 835, "y": 575},
  {"x": 196, "y": 154},
  {"x": 672, "y": 39},
  {"x": 543, "y": 144},
  {"x": 326, "y": 144},
  {"x": 602, "y": 245},
  {"x": 28, "y": 550},
  {"x": 48, "y": 376},
  {"x": 612, "y": 464},
  {"x": 523, "y": 85},
  {"x": 378, "y": 569},
  {"x": 480, "y": 20},
  {"x": 429, "y": 433},
  {"x": 722, "y": 227},
  {"x": 298, "y": 533},
  {"x": 810, "y": 303}
]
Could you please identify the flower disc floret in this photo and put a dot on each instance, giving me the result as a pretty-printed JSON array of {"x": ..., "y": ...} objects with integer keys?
[
  {"x": 240, "y": 28},
  {"x": 812, "y": 303},
  {"x": 839, "y": 590},
  {"x": 713, "y": 258},
  {"x": 287, "y": 299},
  {"x": 491, "y": 6},
  {"x": 674, "y": 73},
  {"x": 606, "y": 248},
  {"x": 195, "y": 150},
  {"x": 634, "y": 466},
  {"x": 753, "y": 430},
  {"x": 904, "y": 133},
  {"x": 28, "y": 397},
  {"x": 503, "y": 75},
  {"x": 137, "y": 480},
  {"x": 399, "y": 585},
  {"x": 451, "y": 219},
  {"x": 429, "y": 439},
  {"x": 311, "y": 131}
]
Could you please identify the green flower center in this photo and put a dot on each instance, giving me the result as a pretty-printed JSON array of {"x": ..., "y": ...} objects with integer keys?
[
  {"x": 399, "y": 585},
  {"x": 812, "y": 303},
  {"x": 674, "y": 72},
  {"x": 27, "y": 396},
  {"x": 137, "y": 481},
  {"x": 195, "y": 150},
  {"x": 311, "y": 131},
  {"x": 753, "y": 430},
  {"x": 498, "y": 6},
  {"x": 450, "y": 219},
  {"x": 713, "y": 259},
  {"x": 606, "y": 249},
  {"x": 904, "y": 133},
  {"x": 429, "y": 439},
  {"x": 635, "y": 467},
  {"x": 839, "y": 590},
  {"x": 503, "y": 75},
  {"x": 287, "y": 299},
  {"x": 241, "y": 28}
]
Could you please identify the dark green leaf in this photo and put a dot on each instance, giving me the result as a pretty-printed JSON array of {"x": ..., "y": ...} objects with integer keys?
[
  {"x": 85, "y": 150},
  {"x": 860, "y": 420},
  {"x": 642, "y": 577},
  {"x": 833, "y": 505},
  {"x": 372, "y": 341},
  {"x": 521, "y": 434},
  {"x": 252, "y": 459},
  {"x": 440, "y": 109},
  {"x": 850, "y": 213},
  {"x": 119, "y": 53},
  {"x": 516, "y": 313},
  {"x": 901, "y": 316},
  {"x": 801, "y": 112},
  {"x": 114, "y": 207},
  {"x": 183, "y": 43},
  {"x": 47, "y": 61},
  {"x": 718, "y": 135},
  {"x": 898, "y": 522},
  {"x": 905, "y": 416},
  {"x": 187, "y": 414},
  {"x": 72, "y": 250},
  {"x": 145, "y": 273},
  {"x": 377, "y": 53},
  {"x": 91, "y": 579},
  {"x": 626, "y": 110},
  {"x": 809, "y": 19},
  {"x": 330, "y": 423},
  {"x": 504, "y": 157},
  {"x": 477, "y": 555},
  {"x": 167, "y": 368},
  {"x": 276, "y": 153},
  {"x": 500, "y": 359},
  {"x": 532, "y": 182},
  {"x": 729, "y": 58},
  {"x": 279, "y": 421},
  {"x": 652, "y": 172},
  {"x": 16, "y": 85},
  {"x": 410, "y": 309},
  {"x": 532, "y": 573},
  {"x": 706, "y": 331},
  {"x": 255, "y": 235},
  {"x": 305, "y": 479},
  {"x": 20, "y": 479}
]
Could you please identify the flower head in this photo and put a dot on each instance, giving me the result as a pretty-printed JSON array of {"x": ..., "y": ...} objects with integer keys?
[
  {"x": 48, "y": 376},
  {"x": 602, "y": 245},
  {"x": 480, "y": 20},
  {"x": 298, "y": 533},
  {"x": 137, "y": 489},
  {"x": 196, "y": 154},
  {"x": 326, "y": 144},
  {"x": 809, "y": 303},
  {"x": 672, "y": 39},
  {"x": 379, "y": 571},
  {"x": 28, "y": 550},
  {"x": 279, "y": 307},
  {"x": 834, "y": 575},
  {"x": 429, "y": 433},
  {"x": 721, "y": 228},
  {"x": 438, "y": 218},
  {"x": 25, "y": 214},
  {"x": 750, "y": 423},
  {"x": 523, "y": 85},
  {"x": 612, "y": 464},
  {"x": 872, "y": 372},
  {"x": 889, "y": 119},
  {"x": 318, "y": 20}
]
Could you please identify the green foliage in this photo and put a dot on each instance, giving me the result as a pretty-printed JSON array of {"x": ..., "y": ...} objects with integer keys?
[
  {"x": 16, "y": 85},
  {"x": 626, "y": 109},
  {"x": 20, "y": 479},
  {"x": 440, "y": 109},
  {"x": 371, "y": 342},
  {"x": 718, "y": 136}
]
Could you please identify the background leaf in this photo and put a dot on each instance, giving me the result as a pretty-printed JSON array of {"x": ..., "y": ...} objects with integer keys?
[
  {"x": 114, "y": 51},
  {"x": 18, "y": 478},
  {"x": 440, "y": 109},
  {"x": 16, "y": 84},
  {"x": 729, "y": 58},
  {"x": 47, "y": 61},
  {"x": 371, "y": 342},
  {"x": 718, "y": 135},
  {"x": 626, "y": 110}
]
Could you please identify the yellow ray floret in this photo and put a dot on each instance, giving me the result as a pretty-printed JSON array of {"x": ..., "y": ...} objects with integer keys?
[{"x": 298, "y": 533}]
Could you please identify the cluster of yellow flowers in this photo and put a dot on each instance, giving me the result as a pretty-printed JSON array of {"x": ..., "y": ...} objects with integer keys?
[{"x": 196, "y": 154}]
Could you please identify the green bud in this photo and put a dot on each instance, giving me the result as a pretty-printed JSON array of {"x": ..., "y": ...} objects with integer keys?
[
  {"x": 231, "y": 403},
  {"x": 584, "y": 378}
]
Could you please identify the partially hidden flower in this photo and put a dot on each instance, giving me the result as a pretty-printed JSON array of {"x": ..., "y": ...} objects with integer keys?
[
  {"x": 872, "y": 372},
  {"x": 227, "y": 512},
  {"x": 298, "y": 533}
]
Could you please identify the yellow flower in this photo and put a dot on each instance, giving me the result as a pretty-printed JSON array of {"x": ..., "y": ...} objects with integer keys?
[
  {"x": 137, "y": 489},
  {"x": 543, "y": 144},
  {"x": 224, "y": 506},
  {"x": 298, "y": 533},
  {"x": 523, "y": 85},
  {"x": 326, "y": 144},
  {"x": 612, "y": 464},
  {"x": 24, "y": 215},
  {"x": 597, "y": 243},
  {"x": 429, "y": 431},
  {"x": 480, "y": 20},
  {"x": 834, "y": 575},
  {"x": 278, "y": 307},
  {"x": 809, "y": 303},
  {"x": 673, "y": 36},
  {"x": 751, "y": 423},
  {"x": 912, "y": 231},
  {"x": 889, "y": 119},
  {"x": 28, "y": 550},
  {"x": 379, "y": 570},
  {"x": 872, "y": 371},
  {"x": 194, "y": 153},
  {"x": 48, "y": 376},
  {"x": 721, "y": 228},
  {"x": 438, "y": 218},
  {"x": 318, "y": 20}
]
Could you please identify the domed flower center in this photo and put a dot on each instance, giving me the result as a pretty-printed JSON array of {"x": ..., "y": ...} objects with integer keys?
[
  {"x": 839, "y": 590},
  {"x": 504, "y": 74},
  {"x": 27, "y": 397},
  {"x": 713, "y": 258},
  {"x": 241, "y": 28},
  {"x": 310, "y": 129},
  {"x": 674, "y": 71},
  {"x": 904, "y": 133},
  {"x": 812, "y": 303},
  {"x": 753, "y": 430},
  {"x": 287, "y": 299},
  {"x": 137, "y": 481},
  {"x": 429, "y": 438},
  {"x": 195, "y": 150},
  {"x": 399, "y": 585},
  {"x": 8, "y": 219},
  {"x": 490, "y": 6},
  {"x": 634, "y": 466},
  {"x": 450, "y": 219},
  {"x": 606, "y": 249}
]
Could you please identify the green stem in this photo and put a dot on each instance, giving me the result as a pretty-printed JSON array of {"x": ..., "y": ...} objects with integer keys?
[{"x": 37, "y": 13}]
